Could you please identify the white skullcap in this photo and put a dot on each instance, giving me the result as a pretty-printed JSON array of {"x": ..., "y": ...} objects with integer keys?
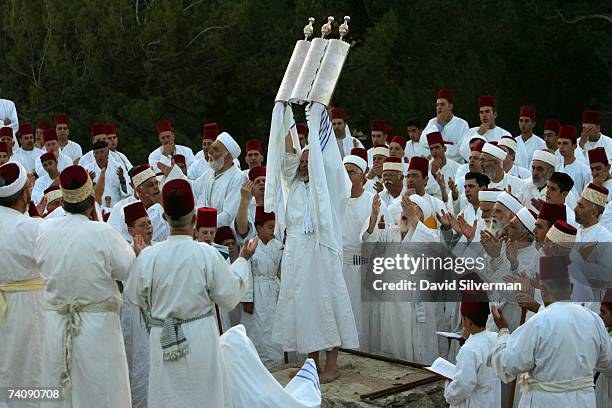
[
  {"x": 423, "y": 205},
  {"x": 510, "y": 202},
  {"x": 230, "y": 144},
  {"x": 19, "y": 182},
  {"x": 380, "y": 150},
  {"x": 489, "y": 196},
  {"x": 356, "y": 160},
  {"x": 494, "y": 151},
  {"x": 545, "y": 156},
  {"x": 526, "y": 218},
  {"x": 508, "y": 142}
]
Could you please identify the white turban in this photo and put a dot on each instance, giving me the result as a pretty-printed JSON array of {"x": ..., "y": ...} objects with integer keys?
[
  {"x": 230, "y": 144},
  {"x": 546, "y": 157},
  {"x": 16, "y": 186},
  {"x": 494, "y": 151},
  {"x": 423, "y": 205},
  {"x": 356, "y": 160},
  {"x": 510, "y": 202}
]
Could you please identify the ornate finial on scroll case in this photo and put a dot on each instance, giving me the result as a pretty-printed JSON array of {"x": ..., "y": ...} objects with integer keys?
[
  {"x": 344, "y": 28},
  {"x": 327, "y": 27},
  {"x": 308, "y": 29}
]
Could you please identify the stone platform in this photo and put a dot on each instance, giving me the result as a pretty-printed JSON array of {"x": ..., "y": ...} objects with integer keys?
[{"x": 362, "y": 375}]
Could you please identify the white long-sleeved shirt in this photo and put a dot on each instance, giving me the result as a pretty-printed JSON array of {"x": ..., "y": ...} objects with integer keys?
[
  {"x": 27, "y": 158},
  {"x": 221, "y": 192},
  {"x": 9, "y": 111},
  {"x": 156, "y": 156},
  {"x": 63, "y": 161},
  {"x": 525, "y": 149},
  {"x": 112, "y": 185},
  {"x": 453, "y": 132},
  {"x": 72, "y": 150}
]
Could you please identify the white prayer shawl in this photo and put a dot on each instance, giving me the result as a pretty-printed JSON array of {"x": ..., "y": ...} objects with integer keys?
[
  {"x": 8, "y": 111},
  {"x": 357, "y": 213},
  {"x": 312, "y": 283},
  {"x": 519, "y": 172},
  {"x": 63, "y": 161},
  {"x": 603, "y": 386},
  {"x": 453, "y": 132},
  {"x": 416, "y": 149},
  {"x": 550, "y": 359},
  {"x": 220, "y": 191},
  {"x": 72, "y": 150},
  {"x": 112, "y": 185},
  {"x": 580, "y": 173},
  {"x": 406, "y": 330},
  {"x": 183, "y": 279},
  {"x": 156, "y": 156},
  {"x": 251, "y": 383},
  {"x": 21, "y": 330},
  {"x": 161, "y": 229},
  {"x": 604, "y": 141},
  {"x": 263, "y": 292},
  {"x": 27, "y": 158},
  {"x": 491, "y": 135},
  {"x": 90, "y": 279},
  {"x": 475, "y": 384},
  {"x": 525, "y": 150},
  {"x": 40, "y": 185},
  {"x": 197, "y": 168}
]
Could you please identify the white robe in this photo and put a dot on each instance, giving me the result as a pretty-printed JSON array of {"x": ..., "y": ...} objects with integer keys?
[
  {"x": 221, "y": 192},
  {"x": 475, "y": 384},
  {"x": 80, "y": 260},
  {"x": 182, "y": 278},
  {"x": 537, "y": 348},
  {"x": 40, "y": 185},
  {"x": 161, "y": 229},
  {"x": 156, "y": 156},
  {"x": 525, "y": 150},
  {"x": 136, "y": 340},
  {"x": 112, "y": 185},
  {"x": 21, "y": 330},
  {"x": 263, "y": 292},
  {"x": 604, "y": 141},
  {"x": 27, "y": 158},
  {"x": 453, "y": 132},
  {"x": 197, "y": 168},
  {"x": 603, "y": 386},
  {"x": 580, "y": 173},
  {"x": 357, "y": 212},
  {"x": 529, "y": 192},
  {"x": 63, "y": 161},
  {"x": 519, "y": 172},
  {"x": 406, "y": 329},
  {"x": 72, "y": 150},
  {"x": 416, "y": 149},
  {"x": 347, "y": 144},
  {"x": 515, "y": 184},
  {"x": 491, "y": 135},
  {"x": 8, "y": 111}
]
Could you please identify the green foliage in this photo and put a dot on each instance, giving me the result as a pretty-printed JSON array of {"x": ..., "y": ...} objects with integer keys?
[{"x": 133, "y": 62}]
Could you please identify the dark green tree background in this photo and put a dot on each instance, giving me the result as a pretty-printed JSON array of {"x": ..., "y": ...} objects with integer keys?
[{"x": 133, "y": 62}]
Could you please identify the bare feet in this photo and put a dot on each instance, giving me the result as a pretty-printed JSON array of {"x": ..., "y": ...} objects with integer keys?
[{"x": 329, "y": 375}]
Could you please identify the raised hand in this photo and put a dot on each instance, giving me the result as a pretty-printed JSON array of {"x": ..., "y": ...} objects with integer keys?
[
  {"x": 246, "y": 190},
  {"x": 499, "y": 318},
  {"x": 378, "y": 186},
  {"x": 490, "y": 243},
  {"x": 248, "y": 249},
  {"x": 453, "y": 188},
  {"x": 376, "y": 206},
  {"x": 139, "y": 244}
]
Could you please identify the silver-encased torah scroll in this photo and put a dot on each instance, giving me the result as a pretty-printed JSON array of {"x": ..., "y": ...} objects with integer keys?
[
  {"x": 329, "y": 72},
  {"x": 293, "y": 71},
  {"x": 309, "y": 71}
]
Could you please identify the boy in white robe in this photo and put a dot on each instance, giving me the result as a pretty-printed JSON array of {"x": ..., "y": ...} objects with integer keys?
[{"x": 603, "y": 384}]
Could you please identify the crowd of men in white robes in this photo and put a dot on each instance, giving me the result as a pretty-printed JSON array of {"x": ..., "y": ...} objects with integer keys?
[{"x": 119, "y": 279}]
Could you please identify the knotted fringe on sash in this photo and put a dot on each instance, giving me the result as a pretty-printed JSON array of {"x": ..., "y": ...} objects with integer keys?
[
  {"x": 72, "y": 310},
  {"x": 174, "y": 344}
]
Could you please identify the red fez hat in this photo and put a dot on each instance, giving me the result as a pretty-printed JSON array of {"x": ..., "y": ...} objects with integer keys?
[
  {"x": 388, "y": 128},
  {"x": 436, "y": 138},
  {"x": 49, "y": 135},
  {"x": 302, "y": 128},
  {"x": 378, "y": 125},
  {"x": 42, "y": 125},
  {"x": 177, "y": 198},
  {"x": 60, "y": 119},
  {"x": 565, "y": 228},
  {"x": 528, "y": 111},
  {"x": 253, "y": 145},
  {"x": 207, "y": 217},
  {"x": 111, "y": 129},
  {"x": 106, "y": 216},
  {"x": 259, "y": 171},
  {"x": 477, "y": 147},
  {"x": 360, "y": 152},
  {"x": 446, "y": 94},
  {"x": 261, "y": 216},
  {"x": 552, "y": 212},
  {"x": 73, "y": 177},
  {"x": 210, "y": 131},
  {"x": 9, "y": 172},
  {"x": 6, "y": 132},
  {"x": 32, "y": 211},
  {"x": 567, "y": 132},
  {"x": 179, "y": 158},
  {"x": 98, "y": 129},
  {"x": 399, "y": 140},
  {"x": 4, "y": 147},
  {"x": 591, "y": 117},
  {"x": 338, "y": 113},
  {"x": 134, "y": 211},
  {"x": 223, "y": 233},
  {"x": 486, "y": 100},
  {"x": 597, "y": 188},
  {"x": 607, "y": 299},
  {"x": 25, "y": 129},
  {"x": 598, "y": 155},
  {"x": 163, "y": 126},
  {"x": 47, "y": 156},
  {"x": 553, "y": 125},
  {"x": 419, "y": 163},
  {"x": 474, "y": 302},
  {"x": 553, "y": 267}
]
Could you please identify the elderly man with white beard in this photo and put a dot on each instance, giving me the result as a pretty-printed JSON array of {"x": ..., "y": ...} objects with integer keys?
[
  {"x": 542, "y": 167},
  {"x": 407, "y": 327},
  {"x": 219, "y": 186},
  {"x": 491, "y": 163}
]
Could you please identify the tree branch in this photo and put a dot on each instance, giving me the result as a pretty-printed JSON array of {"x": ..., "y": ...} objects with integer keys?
[
  {"x": 577, "y": 19},
  {"x": 204, "y": 31}
]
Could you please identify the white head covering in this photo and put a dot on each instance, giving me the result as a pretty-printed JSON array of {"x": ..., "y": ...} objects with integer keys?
[
  {"x": 545, "y": 156},
  {"x": 18, "y": 184},
  {"x": 356, "y": 160},
  {"x": 526, "y": 218},
  {"x": 508, "y": 142},
  {"x": 494, "y": 151},
  {"x": 423, "y": 205},
  {"x": 488, "y": 195},
  {"x": 230, "y": 144},
  {"x": 509, "y": 202}
]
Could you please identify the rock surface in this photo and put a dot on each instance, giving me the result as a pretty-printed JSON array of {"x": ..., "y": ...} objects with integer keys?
[{"x": 360, "y": 375}]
